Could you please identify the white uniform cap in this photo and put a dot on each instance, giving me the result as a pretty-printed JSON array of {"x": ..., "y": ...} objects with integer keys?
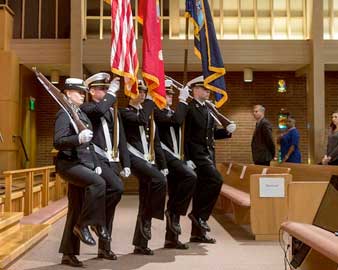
[{"x": 98, "y": 79}]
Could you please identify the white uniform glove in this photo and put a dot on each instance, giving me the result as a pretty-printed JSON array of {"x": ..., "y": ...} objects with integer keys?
[
  {"x": 98, "y": 170},
  {"x": 184, "y": 94},
  {"x": 114, "y": 86},
  {"x": 231, "y": 127},
  {"x": 191, "y": 164},
  {"x": 165, "y": 172},
  {"x": 125, "y": 172},
  {"x": 85, "y": 136}
]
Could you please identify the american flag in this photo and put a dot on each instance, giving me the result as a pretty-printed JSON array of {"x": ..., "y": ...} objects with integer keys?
[{"x": 124, "y": 61}]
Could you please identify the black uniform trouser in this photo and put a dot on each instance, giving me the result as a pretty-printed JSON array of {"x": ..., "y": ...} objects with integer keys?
[
  {"x": 181, "y": 186},
  {"x": 152, "y": 192},
  {"x": 86, "y": 201},
  {"x": 70, "y": 243},
  {"x": 114, "y": 190},
  {"x": 209, "y": 183}
]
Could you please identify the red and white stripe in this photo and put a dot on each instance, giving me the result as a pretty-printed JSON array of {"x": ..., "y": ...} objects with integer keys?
[{"x": 124, "y": 60}]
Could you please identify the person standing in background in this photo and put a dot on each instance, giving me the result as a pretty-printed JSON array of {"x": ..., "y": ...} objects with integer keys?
[
  {"x": 262, "y": 145},
  {"x": 289, "y": 142},
  {"x": 331, "y": 156}
]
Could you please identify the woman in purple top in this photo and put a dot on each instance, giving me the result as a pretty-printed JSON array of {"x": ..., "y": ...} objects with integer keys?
[
  {"x": 289, "y": 142},
  {"x": 331, "y": 157}
]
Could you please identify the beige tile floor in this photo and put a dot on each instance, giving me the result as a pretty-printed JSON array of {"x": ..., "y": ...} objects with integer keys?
[{"x": 235, "y": 248}]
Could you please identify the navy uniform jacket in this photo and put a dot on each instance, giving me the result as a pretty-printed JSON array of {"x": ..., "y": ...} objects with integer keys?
[
  {"x": 262, "y": 145},
  {"x": 132, "y": 119},
  {"x": 96, "y": 110},
  {"x": 67, "y": 141},
  {"x": 200, "y": 133},
  {"x": 167, "y": 118}
]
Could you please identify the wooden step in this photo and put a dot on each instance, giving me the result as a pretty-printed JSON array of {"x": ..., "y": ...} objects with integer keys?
[
  {"x": 18, "y": 242},
  {"x": 48, "y": 214},
  {"x": 8, "y": 219}
]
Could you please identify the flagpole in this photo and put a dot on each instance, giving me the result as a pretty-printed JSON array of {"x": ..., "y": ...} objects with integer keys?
[
  {"x": 115, "y": 146},
  {"x": 152, "y": 138},
  {"x": 115, "y": 106},
  {"x": 185, "y": 72},
  {"x": 185, "y": 80}
]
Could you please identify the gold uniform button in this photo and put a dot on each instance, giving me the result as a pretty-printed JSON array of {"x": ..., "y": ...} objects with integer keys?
[{"x": 87, "y": 125}]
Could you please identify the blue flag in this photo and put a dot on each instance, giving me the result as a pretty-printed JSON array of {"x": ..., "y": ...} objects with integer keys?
[{"x": 207, "y": 49}]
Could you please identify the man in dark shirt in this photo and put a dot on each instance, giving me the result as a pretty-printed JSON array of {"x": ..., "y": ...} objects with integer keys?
[
  {"x": 102, "y": 116},
  {"x": 200, "y": 133},
  {"x": 149, "y": 169},
  {"x": 262, "y": 145},
  {"x": 181, "y": 178}
]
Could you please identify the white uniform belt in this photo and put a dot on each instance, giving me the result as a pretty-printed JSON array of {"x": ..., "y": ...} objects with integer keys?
[
  {"x": 107, "y": 155},
  {"x": 138, "y": 154},
  {"x": 166, "y": 148}
]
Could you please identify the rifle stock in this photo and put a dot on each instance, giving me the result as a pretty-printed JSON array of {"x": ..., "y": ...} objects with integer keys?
[{"x": 61, "y": 99}]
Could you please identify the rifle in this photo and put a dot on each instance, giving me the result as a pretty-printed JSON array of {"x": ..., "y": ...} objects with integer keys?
[
  {"x": 220, "y": 118},
  {"x": 62, "y": 100}
]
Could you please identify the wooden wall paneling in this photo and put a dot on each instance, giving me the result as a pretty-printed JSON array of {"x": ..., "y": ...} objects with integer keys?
[
  {"x": 63, "y": 18},
  {"x": 16, "y": 6},
  {"x": 48, "y": 16},
  {"x": 31, "y": 20},
  {"x": 6, "y": 27}
]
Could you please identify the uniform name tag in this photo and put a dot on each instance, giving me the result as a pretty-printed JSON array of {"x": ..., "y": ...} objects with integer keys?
[{"x": 271, "y": 187}]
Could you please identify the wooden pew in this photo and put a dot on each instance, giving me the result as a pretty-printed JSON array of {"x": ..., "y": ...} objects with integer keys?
[
  {"x": 304, "y": 200},
  {"x": 272, "y": 170},
  {"x": 232, "y": 173},
  {"x": 309, "y": 172},
  {"x": 240, "y": 196},
  {"x": 324, "y": 244}
]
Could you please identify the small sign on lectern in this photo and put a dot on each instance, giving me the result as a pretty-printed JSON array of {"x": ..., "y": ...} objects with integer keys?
[{"x": 271, "y": 187}]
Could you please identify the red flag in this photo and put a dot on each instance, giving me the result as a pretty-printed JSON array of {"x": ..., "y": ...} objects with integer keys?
[
  {"x": 152, "y": 66},
  {"x": 124, "y": 61}
]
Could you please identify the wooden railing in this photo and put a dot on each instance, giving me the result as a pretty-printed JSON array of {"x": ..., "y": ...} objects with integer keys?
[{"x": 32, "y": 196}]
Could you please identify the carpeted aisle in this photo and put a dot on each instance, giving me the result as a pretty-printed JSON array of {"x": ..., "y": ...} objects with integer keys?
[{"x": 235, "y": 249}]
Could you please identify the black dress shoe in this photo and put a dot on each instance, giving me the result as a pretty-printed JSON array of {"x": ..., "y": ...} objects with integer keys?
[
  {"x": 84, "y": 234},
  {"x": 101, "y": 232},
  {"x": 175, "y": 245},
  {"x": 70, "y": 259},
  {"x": 106, "y": 254},
  {"x": 143, "y": 251},
  {"x": 203, "y": 225},
  {"x": 173, "y": 222},
  {"x": 203, "y": 239},
  {"x": 145, "y": 228}
]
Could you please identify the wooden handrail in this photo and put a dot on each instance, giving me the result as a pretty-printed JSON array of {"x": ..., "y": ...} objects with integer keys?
[
  {"x": 29, "y": 185},
  {"x": 28, "y": 170}
]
